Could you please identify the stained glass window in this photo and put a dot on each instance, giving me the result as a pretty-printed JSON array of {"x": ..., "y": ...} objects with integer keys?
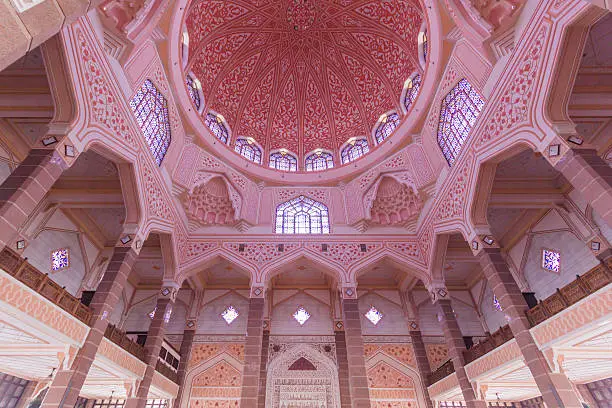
[
  {"x": 246, "y": 147},
  {"x": 459, "y": 111},
  {"x": 301, "y": 315},
  {"x": 230, "y": 314},
  {"x": 373, "y": 315},
  {"x": 496, "y": 304},
  {"x": 319, "y": 160},
  {"x": 354, "y": 150},
  {"x": 60, "y": 259},
  {"x": 194, "y": 91},
  {"x": 283, "y": 161},
  {"x": 217, "y": 126},
  {"x": 151, "y": 111},
  {"x": 551, "y": 260},
  {"x": 152, "y": 313},
  {"x": 413, "y": 86},
  {"x": 386, "y": 126},
  {"x": 425, "y": 42},
  {"x": 302, "y": 215}
]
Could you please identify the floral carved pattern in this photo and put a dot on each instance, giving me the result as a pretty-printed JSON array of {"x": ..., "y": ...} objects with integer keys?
[
  {"x": 261, "y": 252},
  {"x": 346, "y": 254}
]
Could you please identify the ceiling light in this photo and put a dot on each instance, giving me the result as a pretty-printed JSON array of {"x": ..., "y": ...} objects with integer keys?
[
  {"x": 352, "y": 141},
  {"x": 283, "y": 151},
  {"x": 197, "y": 83},
  {"x": 250, "y": 140},
  {"x": 186, "y": 38}
]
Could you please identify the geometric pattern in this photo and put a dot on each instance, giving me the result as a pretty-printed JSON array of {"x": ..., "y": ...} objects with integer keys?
[
  {"x": 60, "y": 259},
  {"x": 302, "y": 215},
  {"x": 302, "y": 75}
]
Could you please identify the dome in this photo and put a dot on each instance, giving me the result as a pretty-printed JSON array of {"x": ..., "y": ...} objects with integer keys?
[{"x": 302, "y": 76}]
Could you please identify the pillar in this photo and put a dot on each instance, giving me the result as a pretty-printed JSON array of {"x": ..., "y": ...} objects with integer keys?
[
  {"x": 263, "y": 368},
  {"x": 66, "y": 385},
  {"x": 25, "y": 188},
  {"x": 358, "y": 380},
  {"x": 556, "y": 389},
  {"x": 420, "y": 354},
  {"x": 456, "y": 346},
  {"x": 343, "y": 373},
  {"x": 185, "y": 352},
  {"x": 592, "y": 177},
  {"x": 153, "y": 345},
  {"x": 249, "y": 395}
]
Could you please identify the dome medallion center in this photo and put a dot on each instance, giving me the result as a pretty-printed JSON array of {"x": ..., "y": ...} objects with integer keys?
[{"x": 301, "y": 14}]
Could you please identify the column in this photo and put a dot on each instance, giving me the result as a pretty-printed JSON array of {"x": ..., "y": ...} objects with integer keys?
[
  {"x": 185, "y": 352},
  {"x": 25, "y": 188},
  {"x": 422, "y": 362},
  {"x": 358, "y": 380},
  {"x": 456, "y": 346},
  {"x": 249, "y": 395},
  {"x": 66, "y": 385},
  {"x": 263, "y": 370},
  {"x": 555, "y": 388},
  {"x": 343, "y": 370},
  {"x": 592, "y": 177},
  {"x": 153, "y": 345}
]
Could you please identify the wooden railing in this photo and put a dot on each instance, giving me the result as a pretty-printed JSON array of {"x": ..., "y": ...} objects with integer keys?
[
  {"x": 570, "y": 294},
  {"x": 166, "y": 371},
  {"x": 122, "y": 340},
  {"x": 441, "y": 372},
  {"x": 503, "y": 335},
  {"x": 27, "y": 274}
]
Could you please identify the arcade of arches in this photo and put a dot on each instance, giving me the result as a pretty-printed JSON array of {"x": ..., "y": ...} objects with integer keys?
[{"x": 305, "y": 204}]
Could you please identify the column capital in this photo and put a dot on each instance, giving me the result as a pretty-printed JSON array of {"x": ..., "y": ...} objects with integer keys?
[
  {"x": 482, "y": 242},
  {"x": 169, "y": 290},
  {"x": 438, "y": 291}
]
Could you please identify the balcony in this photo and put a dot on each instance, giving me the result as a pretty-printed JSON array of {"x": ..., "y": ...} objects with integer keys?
[
  {"x": 20, "y": 269},
  {"x": 122, "y": 340},
  {"x": 565, "y": 297}
]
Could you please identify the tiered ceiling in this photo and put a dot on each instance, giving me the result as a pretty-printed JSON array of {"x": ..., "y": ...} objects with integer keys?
[{"x": 303, "y": 75}]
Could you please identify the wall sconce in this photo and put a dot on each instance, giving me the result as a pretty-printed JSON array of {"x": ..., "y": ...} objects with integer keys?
[
  {"x": 48, "y": 141},
  {"x": 575, "y": 140},
  {"x": 126, "y": 239},
  {"x": 488, "y": 240},
  {"x": 554, "y": 150},
  {"x": 69, "y": 151}
]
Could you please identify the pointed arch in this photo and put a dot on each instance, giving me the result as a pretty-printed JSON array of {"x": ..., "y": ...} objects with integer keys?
[{"x": 302, "y": 215}]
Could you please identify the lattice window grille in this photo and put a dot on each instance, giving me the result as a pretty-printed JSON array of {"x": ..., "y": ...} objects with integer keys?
[
  {"x": 319, "y": 160},
  {"x": 150, "y": 108},
  {"x": 193, "y": 87},
  {"x": 459, "y": 111},
  {"x": 301, "y": 315},
  {"x": 551, "y": 260},
  {"x": 302, "y": 215},
  {"x": 283, "y": 161},
  {"x": 355, "y": 149},
  {"x": 387, "y": 124},
  {"x": 373, "y": 315},
  {"x": 247, "y": 148},
  {"x": 413, "y": 86},
  {"x": 109, "y": 403},
  {"x": 230, "y": 314},
  {"x": 217, "y": 126},
  {"x": 60, "y": 259}
]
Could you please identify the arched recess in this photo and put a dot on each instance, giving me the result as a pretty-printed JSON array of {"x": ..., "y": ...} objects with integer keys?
[
  {"x": 229, "y": 363},
  {"x": 479, "y": 193},
  {"x": 393, "y": 199},
  {"x": 214, "y": 200},
  {"x": 213, "y": 257},
  {"x": 281, "y": 370},
  {"x": 274, "y": 268},
  {"x": 411, "y": 268},
  {"x": 405, "y": 370}
]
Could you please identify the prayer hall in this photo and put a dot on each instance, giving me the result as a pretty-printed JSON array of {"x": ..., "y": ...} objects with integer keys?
[{"x": 305, "y": 203}]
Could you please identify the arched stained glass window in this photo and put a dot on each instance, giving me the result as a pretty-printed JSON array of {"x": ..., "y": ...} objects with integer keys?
[
  {"x": 459, "y": 111},
  {"x": 425, "y": 42},
  {"x": 150, "y": 108},
  {"x": 319, "y": 160},
  {"x": 194, "y": 91},
  {"x": 413, "y": 86},
  {"x": 302, "y": 215},
  {"x": 217, "y": 126},
  {"x": 247, "y": 148},
  {"x": 354, "y": 150},
  {"x": 386, "y": 126},
  {"x": 283, "y": 161}
]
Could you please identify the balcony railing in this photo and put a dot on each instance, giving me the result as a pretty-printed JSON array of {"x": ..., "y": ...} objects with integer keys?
[
  {"x": 570, "y": 294},
  {"x": 498, "y": 338},
  {"x": 122, "y": 340},
  {"x": 27, "y": 274},
  {"x": 441, "y": 372},
  {"x": 166, "y": 371}
]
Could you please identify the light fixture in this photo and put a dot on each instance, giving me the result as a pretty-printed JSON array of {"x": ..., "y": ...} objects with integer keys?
[
  {"x": 186, "y": 38},
  {"x": 283, "y": 151},
  {"x": 69, "y": 151},
  {"x": 48, "y": 141},
  {"x": 126, "y": 239},
  {"x": 383, "y": 118},
  {"x": 475, "y": 245},
  {"x": 488, "y": 240},
  {"x": 575, "y": 140},
  {"x": 20, "y": 244},
  {"x": 554, "y": 150},
  {"x": 408, "y": 83},
  {"x": 319, "y": 152},
  {"x": 250, "y": 140},
  {"x": 595, "y": 246},
  {"x": 352, "y": 141},
  {"x": 197, "y": 83}
]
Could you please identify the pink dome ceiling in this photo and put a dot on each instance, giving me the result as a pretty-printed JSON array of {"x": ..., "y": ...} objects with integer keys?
[{"x": 303, "y": 74}]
